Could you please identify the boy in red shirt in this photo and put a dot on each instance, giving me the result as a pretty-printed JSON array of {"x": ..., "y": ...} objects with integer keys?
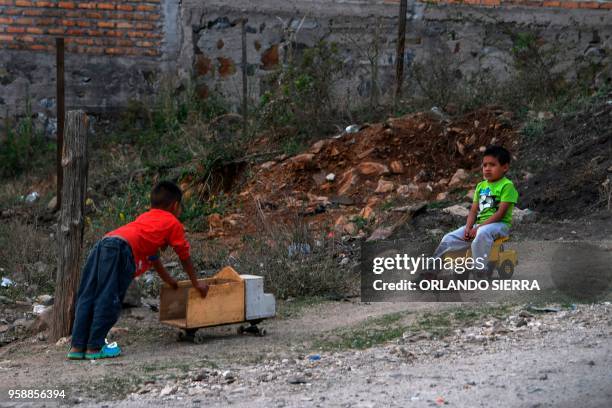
[{"x": 116, "y": 259}]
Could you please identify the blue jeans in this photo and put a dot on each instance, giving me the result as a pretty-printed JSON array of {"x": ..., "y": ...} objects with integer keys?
[
  {"x": 107, "y": 274},
  {"x": 480, "y": 245}
]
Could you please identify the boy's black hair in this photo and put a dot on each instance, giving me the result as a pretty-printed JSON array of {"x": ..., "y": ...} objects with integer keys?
[
  {"x": 501, "y": 154},
  {"x": 164, "y": 194}
]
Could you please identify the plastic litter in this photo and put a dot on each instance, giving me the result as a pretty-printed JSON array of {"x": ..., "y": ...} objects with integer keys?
[
  {"x": 6, "y": 282},
  {"x": 33, "y": 196},
  {"x": 352, "y": 129},
  {"x": 314, "y": 357}
]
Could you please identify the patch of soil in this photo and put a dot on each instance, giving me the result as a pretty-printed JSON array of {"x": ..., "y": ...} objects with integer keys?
[{"x": 572, "y": 164}]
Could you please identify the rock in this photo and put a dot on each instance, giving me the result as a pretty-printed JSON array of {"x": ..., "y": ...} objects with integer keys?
[
  {"x": 348, "y": 180},
  {"x": 522, "y": 216},
  {"x": 352, "y": 129},
  {"x": 330, "y": 177},
  {"x": 168, "y": 390},
  {"x": 421, "y": 176},
  {"x": 297, "y": 380},
  {"x": 32, "y": 197},
  {"x": 303, "y": 161},
  {"x": 63, "y": 341},
  {"x": 457, "y": 210},
  {"x": 46, "y": 300},
  {"x": 52, "y": 203},
  {"x": 268, "y": 165},
  {"x": 458, "y": 178},
  {"x": 408, "y": 190},
  {"x": 342, "y": 200},
  {"x": 366, "y": 212},
  {"x": 384, "y": 186},
  {"x": 215, "y": 222},
  {"x": 380, "y": 233},
  {"x": 396, "y": 167},
  {"x": 350, "y": 228},
  {"x": 5, "y": 300},
  {"x": 4, "y": 328},
  {"x": 316, "y": 147},
  {"x": 372, "y": 169},
  {"x": 442, "y": 196},
  {"x": 38, "y": 309}
]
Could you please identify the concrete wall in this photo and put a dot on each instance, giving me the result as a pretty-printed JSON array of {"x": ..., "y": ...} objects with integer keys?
[{"x": 119, "y": 50}]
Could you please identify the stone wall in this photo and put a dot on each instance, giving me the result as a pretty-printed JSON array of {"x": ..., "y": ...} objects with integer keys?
[{"x": 117, "y": 51}]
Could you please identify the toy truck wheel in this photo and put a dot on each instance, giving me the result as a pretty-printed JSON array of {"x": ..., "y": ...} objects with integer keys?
[
  {"x": 240, "y": 329},
  {"x": 186, "y": 335},
  {"x": 198, "y": 339},
  {"x": 505, "y": 270},
  {"x": 262, "y": 332}
]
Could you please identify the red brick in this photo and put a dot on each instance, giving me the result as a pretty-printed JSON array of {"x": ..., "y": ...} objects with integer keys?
[
  {"x": 93, "y": 14},
  {"x": 66, "y": 5},
  {"x": 39, "y": 47},
  {"x": 106, "y": 24},
  {"x": 570, "y": 4},
  {"x": 490, "y": 2},
  {"x": 85, "y": 41},
  {"x": 15, "y": 30},
  {"x": 552, "y": 4},
  {"x": 124, "y": 24},
  {"x": 35, "y": 30},
  {"x": 114, "y": 33},
  {"x": 607, "y": 5},
  {"x": 23, "y": 3},
  {"x": 26, "y": 38},
  {"x": 155, "y": 17},
  {"x": 87, "y": 5},
  {"x": 46, "y": 4},
  {"x": 146, "y": 8},
  {"x": 125, "y": 7},
  {"x": 76, "y": 31},
  {"x": 34, "y": 13},
  {"x": 4, "y": 20},
  {"x": 6, "y": 2},
  {"x": 144, "y": 26},
  {"x": 589, "y": 5},
  {"x": 46, "y": 21},
  {"x": 56, "y": 31},
  {"x": 106, "y": 6},
  {"x": 136, "y": 34},
  {"x": 69, "y": 23},
  {"x": 12, "y": 11},
  {"x": 23, "y": 21}
]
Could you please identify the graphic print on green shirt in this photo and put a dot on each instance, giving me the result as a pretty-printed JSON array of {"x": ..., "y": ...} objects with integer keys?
[{"x": 488, "y": 195}]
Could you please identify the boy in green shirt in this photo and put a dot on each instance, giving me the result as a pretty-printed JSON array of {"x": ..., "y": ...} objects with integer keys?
[{"x": 490, "y": 217}]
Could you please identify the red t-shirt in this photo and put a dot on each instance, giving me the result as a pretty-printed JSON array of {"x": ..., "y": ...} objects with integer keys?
[{"x": 151, "y": 231}]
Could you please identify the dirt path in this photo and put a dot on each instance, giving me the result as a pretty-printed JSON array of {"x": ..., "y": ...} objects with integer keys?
[{"x": 553, "y": 359}]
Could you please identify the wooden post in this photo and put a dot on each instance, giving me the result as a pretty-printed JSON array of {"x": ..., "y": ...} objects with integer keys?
[
  {"x": 401, "y": 46},
  {"x": 59, "y": 63},
  {"x": 70, "y": 229},
  {"x": 244, "y": 79}
]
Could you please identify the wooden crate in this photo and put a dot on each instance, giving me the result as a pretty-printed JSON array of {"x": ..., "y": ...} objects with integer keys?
[{"x": 185, "y": 308}]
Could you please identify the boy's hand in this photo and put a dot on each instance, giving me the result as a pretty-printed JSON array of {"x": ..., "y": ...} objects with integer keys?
[
  {"x": 173, "y": 284},
  {"x": 202, "y": 288}
]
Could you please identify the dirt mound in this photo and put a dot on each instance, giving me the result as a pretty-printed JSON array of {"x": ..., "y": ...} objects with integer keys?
[
  {"x": 572, "y": 164},
  {"x": 415, "y": 157}
]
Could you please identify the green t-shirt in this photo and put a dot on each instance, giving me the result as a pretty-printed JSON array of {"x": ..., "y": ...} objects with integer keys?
[{"x": 489, "y": 195}]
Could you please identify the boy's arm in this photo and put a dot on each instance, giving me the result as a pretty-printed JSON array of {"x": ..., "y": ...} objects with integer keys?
[
  {"x": 499, "y": 214},
  {"x": 471, "y": 219},
  {"x": 163, "y": 273},
  {"x": 188, "y": 268}
]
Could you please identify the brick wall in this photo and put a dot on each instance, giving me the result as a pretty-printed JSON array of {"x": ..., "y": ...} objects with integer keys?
[{"x": 120, "y": 27}]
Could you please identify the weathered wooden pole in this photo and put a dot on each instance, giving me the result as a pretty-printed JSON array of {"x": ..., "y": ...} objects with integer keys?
[
  {"x": 244, "y": 79},
  {"x": 71, "y": 223},
  {"x": 401, "y": 46},
  {"x": 59, "y": 65}
]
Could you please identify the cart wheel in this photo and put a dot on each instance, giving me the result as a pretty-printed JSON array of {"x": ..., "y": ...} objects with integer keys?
[
  {"x": 240, "y": 329},
  {"x": 506, "y": 269},
  {"x": 198, "y": 338},
  {"x": 262, "y": 332},
  {"x": 186, "y": 335}
]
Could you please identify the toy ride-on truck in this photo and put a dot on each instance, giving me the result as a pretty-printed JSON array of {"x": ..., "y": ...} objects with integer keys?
[
  {"x": 232, "y": 298},
  {"x": 501, "y": 259}
]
